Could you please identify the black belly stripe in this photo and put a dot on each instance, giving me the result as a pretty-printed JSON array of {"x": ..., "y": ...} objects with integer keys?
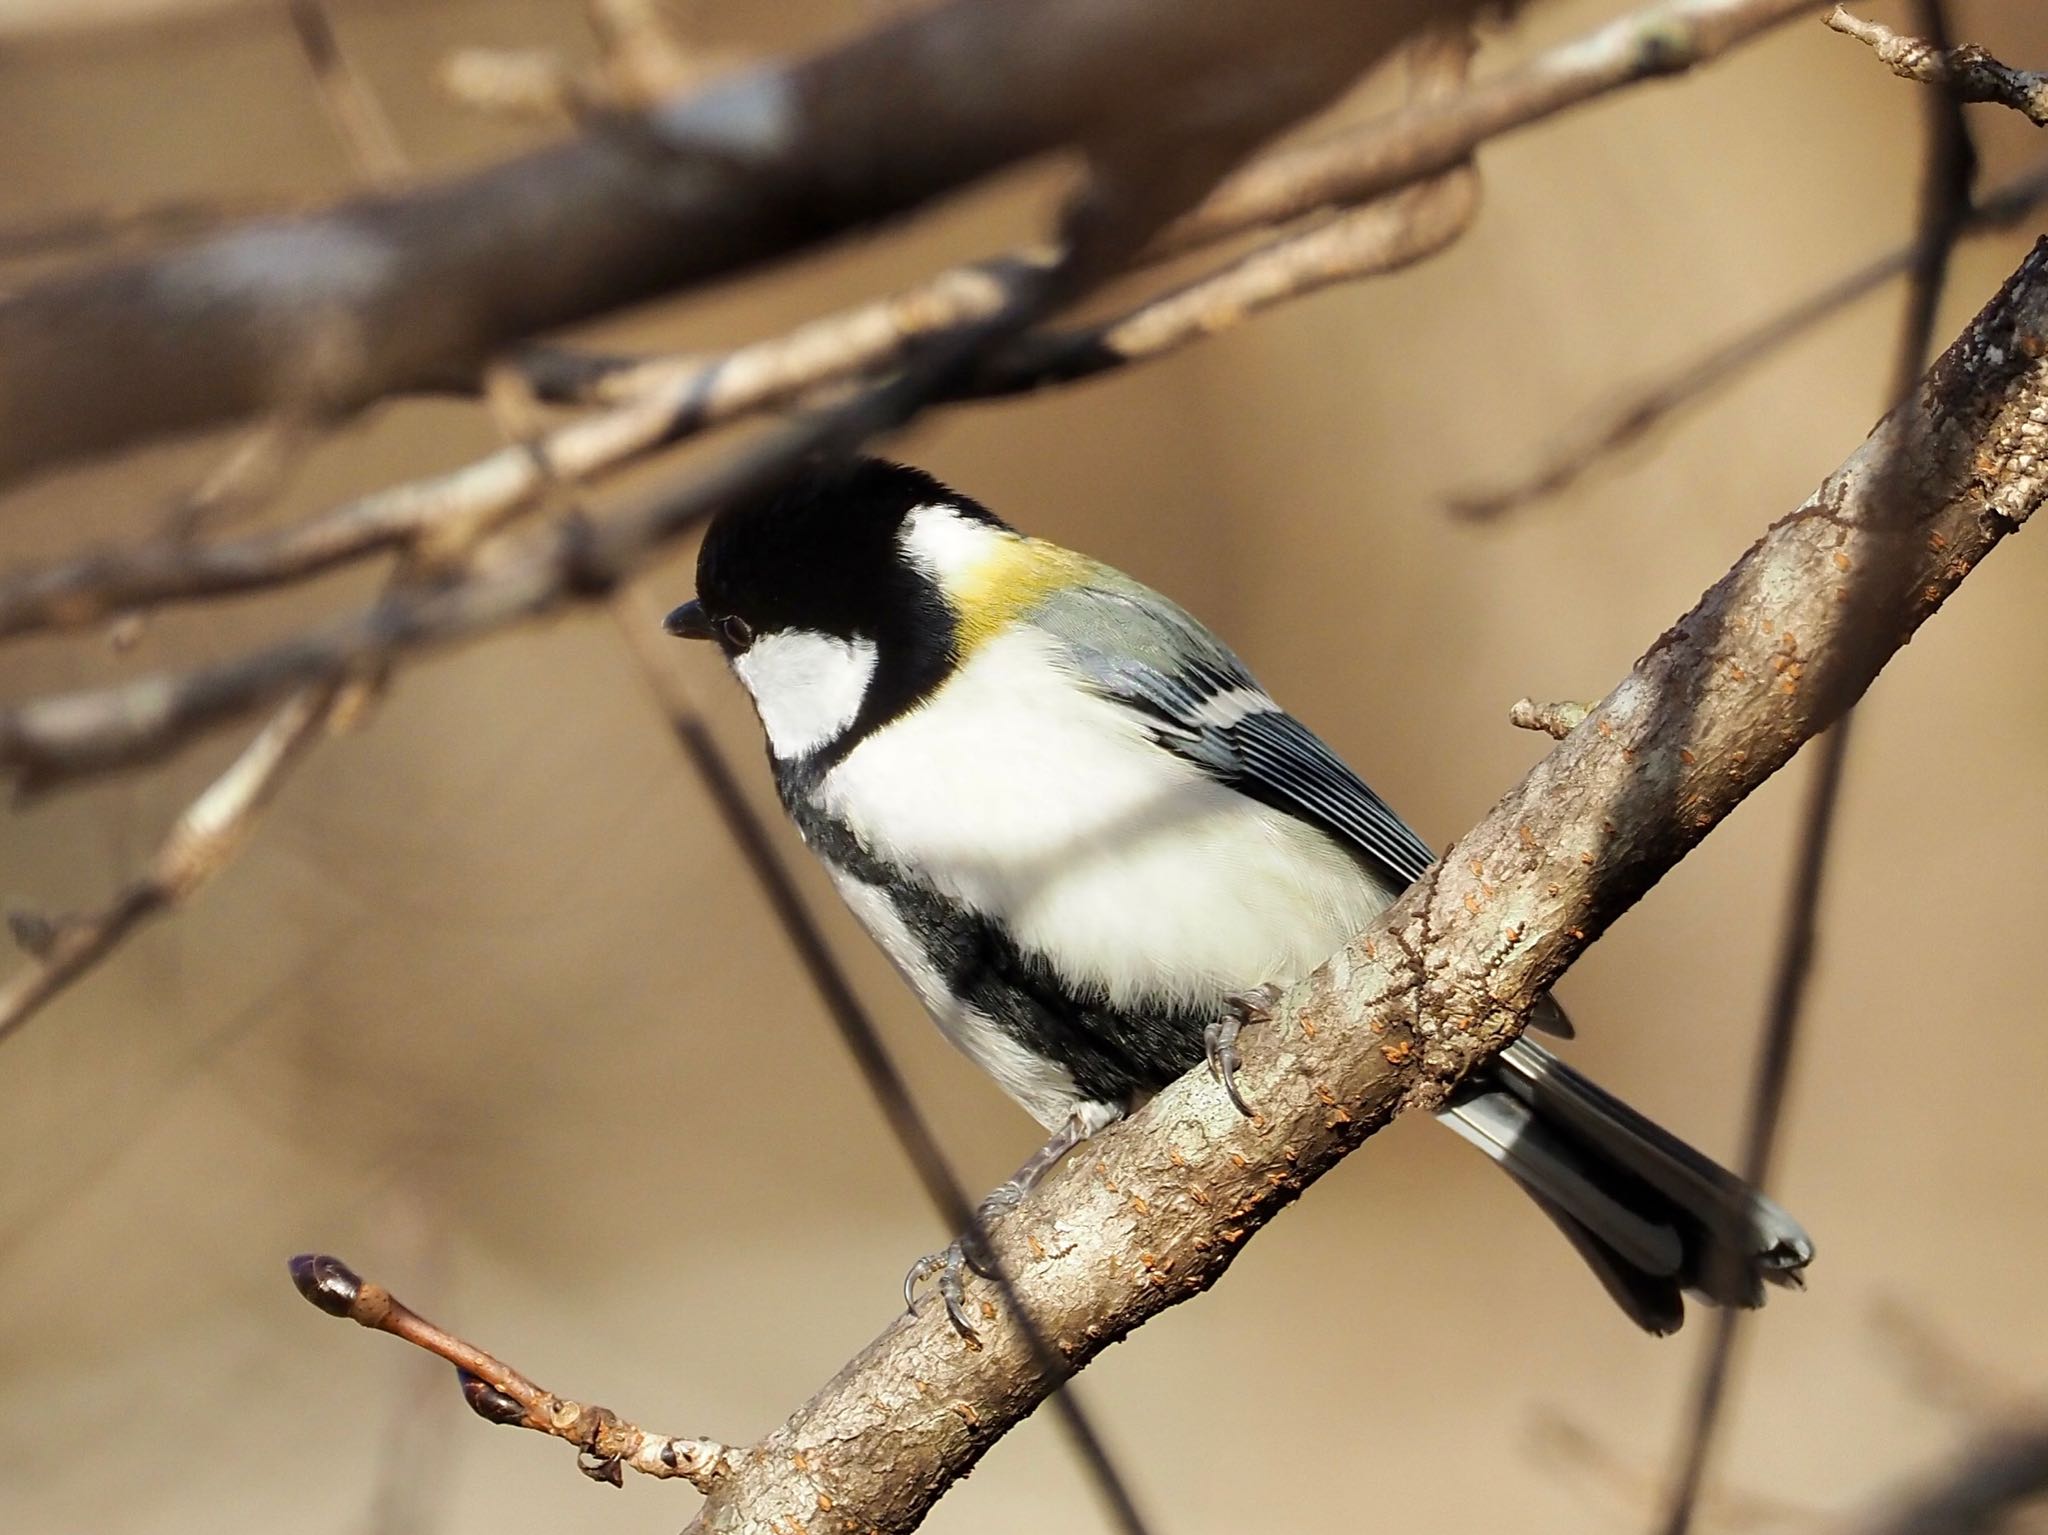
[{"x": 1111, "y": 1052}]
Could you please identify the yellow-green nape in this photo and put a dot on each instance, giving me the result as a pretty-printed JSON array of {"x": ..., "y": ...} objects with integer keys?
[{"x": 1017, "y": 575}]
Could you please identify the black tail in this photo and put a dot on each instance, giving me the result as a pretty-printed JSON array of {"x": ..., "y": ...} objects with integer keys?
[{"x": 1653, "y": 1217}]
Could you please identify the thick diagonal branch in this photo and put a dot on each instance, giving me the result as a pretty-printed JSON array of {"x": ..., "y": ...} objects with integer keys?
[{"x": 1156, "y": 1209}]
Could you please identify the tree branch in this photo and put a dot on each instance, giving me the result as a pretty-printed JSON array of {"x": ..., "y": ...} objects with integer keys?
[
  {"x": 385, "y": 293},
  {"x": 1651, "y": 404},
  {"x": 202, "y": 841},
  {"x": 653, "y": 405},
  {"x": 1948, "y": 165},
  {"x": 1155, "y": 1209},
  {"x": 1659, "y": 40},
  {"x": 1968, "y": 72},
  {"x": 605, "y": 1442}
]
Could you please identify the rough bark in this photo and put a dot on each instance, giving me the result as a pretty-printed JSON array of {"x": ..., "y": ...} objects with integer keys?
[{"x": 1157, "y": 1208}]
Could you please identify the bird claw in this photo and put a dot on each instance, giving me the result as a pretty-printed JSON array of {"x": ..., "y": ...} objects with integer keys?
[
  {"x": 1219, "y": 1039},
  {"x": 971, "y": 1252},
  {"x": 949, "y": 1265}
]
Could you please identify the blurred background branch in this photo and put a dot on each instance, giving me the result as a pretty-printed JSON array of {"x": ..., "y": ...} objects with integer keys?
[
  {"x": 290, "y": 322},
  {"x": 1445, "y": 976},
  {"x": 329, "y": 311},
  {"x": 1948, "y": 167}
]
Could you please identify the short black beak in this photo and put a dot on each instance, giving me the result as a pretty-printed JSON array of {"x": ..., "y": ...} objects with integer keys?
[{"x": 690, "y": 622}]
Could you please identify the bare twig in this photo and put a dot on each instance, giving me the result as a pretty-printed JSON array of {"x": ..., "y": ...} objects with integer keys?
[
  {"x": 1162, "y": 1203},
  {"x": 1553, "y": 719},
  {"x": 1643, "y": 408},
  {"x": 1370, "y": 241},
  {"x": 1967, "y": 72},
  {"x": 1658, "y": 40},
  {"x": 416, "y": 289},
  {"x": 38, "y": 738},
  {"x": 252, "y": 473},
  {"x": 656, "y": 404},
  {"x": 1949, "y": 165},
  {"x": 202, "y": 841},
  {"x": 351, "y": 105},
  {"x": 605, "y": 1443}
]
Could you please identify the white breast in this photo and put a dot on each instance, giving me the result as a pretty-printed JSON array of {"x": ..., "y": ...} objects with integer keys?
[{"x": 1042, "y": 804}]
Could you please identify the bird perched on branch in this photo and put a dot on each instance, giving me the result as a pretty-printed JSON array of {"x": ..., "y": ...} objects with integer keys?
[{"x": 1098, "y": 849}]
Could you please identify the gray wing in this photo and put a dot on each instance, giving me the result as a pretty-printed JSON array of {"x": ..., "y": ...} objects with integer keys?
[
  {"x": 1146, "y": 652},
  {"x": 1140, "y": 649}
]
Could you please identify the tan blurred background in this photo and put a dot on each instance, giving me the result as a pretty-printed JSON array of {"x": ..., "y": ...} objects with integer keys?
[{"x": 490, "y": 1008}]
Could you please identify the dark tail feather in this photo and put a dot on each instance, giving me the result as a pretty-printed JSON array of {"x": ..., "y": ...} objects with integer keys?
[{"x": 1650, "y": 1215}]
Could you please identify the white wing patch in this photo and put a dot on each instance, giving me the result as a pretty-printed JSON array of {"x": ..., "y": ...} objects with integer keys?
[
  {"x": 807, "y": 687},
  {"x": 1226, "y": 709}
]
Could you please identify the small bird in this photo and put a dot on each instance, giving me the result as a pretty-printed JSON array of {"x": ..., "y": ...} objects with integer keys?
[{"x": 1097, "y": 850}]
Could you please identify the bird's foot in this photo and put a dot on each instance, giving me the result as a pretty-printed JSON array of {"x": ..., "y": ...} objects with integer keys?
[
  {"x": 970, "y": 1251},
  {"x": 1219, "y": 1039},
  {"x": 949, "y": 1266}
]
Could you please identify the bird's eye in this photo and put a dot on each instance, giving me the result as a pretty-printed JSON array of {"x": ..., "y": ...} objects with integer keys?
[{"x": 736, "y": 633}]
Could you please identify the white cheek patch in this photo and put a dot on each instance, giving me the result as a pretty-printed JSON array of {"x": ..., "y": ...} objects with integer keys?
[{"x": 807, "y": 686}]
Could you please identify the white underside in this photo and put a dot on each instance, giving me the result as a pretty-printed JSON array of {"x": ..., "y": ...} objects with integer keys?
[{"x": 1020, "y": 793}]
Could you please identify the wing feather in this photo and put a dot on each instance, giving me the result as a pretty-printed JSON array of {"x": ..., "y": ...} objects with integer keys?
[{"x": 1203, "y": 704}]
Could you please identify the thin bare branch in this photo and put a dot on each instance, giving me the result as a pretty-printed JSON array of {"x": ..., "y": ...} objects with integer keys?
[
  {"x": 606, "y": 1444},
  {"x": 1644, "y": 408},
  {"x": 1372, "y": 241},
  {"x": 1658, "y": 40},
  {"x": 1949, "y": 164},
  {"x": 1375, "y": 238},
  {"x": 1967, "y": 72},
  {"x": 202, "y": 841},
  {"x": 1160, "y": 1206},
  {"x": 351, "y": 105},
  {"x": 416, "y": 289},
  {"x": 653, "y": 405}
]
